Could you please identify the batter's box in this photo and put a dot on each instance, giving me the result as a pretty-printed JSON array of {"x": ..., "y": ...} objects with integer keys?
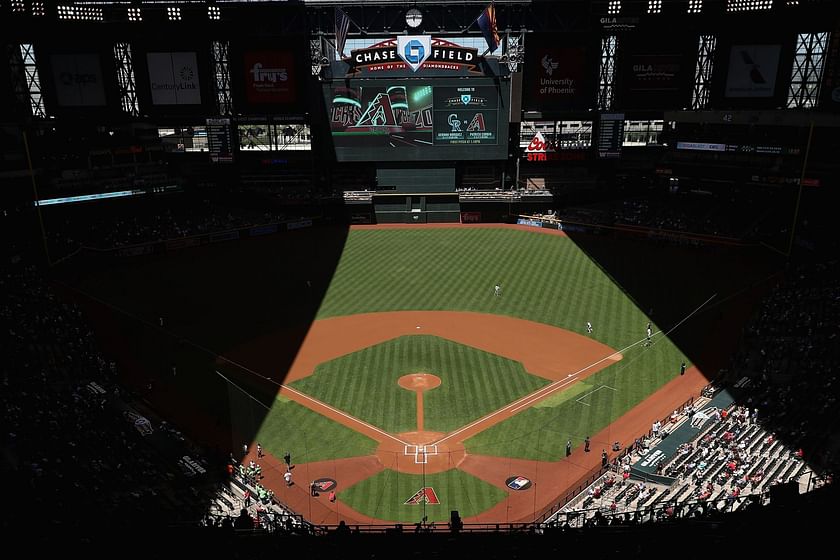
[
  {"x": 421, "y": 452},
  {"x": 579, "y": 399}
]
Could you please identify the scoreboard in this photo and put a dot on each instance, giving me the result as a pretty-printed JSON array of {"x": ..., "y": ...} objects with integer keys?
[
  {"x": 419, "y": 120},
  {"x": 466, "y": 115},
  {"x": 610, "y": 135}
]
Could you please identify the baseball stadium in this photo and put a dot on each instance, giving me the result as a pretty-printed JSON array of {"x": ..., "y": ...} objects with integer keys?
[{"x": 505, "y": 278}]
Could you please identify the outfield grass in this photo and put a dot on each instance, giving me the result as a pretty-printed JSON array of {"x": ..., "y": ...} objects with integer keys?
[
  {"x": 383, "y": 495},
  {"x": 308, "y": 436},
  {"x": 473, "y": 383},
  {"x": 544, "y": 278}
]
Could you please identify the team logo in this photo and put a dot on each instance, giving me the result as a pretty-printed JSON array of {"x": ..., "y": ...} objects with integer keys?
[
  {"x": 423, "y": 495},
  {"x": 476, "y": 124},
  {"x": 414, "y": 50},
  {"x": 379, "y": 113},
  {"x": 325, "y": 484},
  {"x": 518, "y": 483},
  {"x": 465, "y": 99}
]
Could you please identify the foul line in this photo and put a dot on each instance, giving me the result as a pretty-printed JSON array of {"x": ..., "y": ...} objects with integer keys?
[
  {"x": 557, "y": 385},
  {"x": 519, "y": 404},
  {"x": 538, "y": 394},
  {"x": 249, "y": 395},
  {"x": 592, "y": 392},
  {"x": 344, "y": 414},
  {"x": 306, "y": 397}
]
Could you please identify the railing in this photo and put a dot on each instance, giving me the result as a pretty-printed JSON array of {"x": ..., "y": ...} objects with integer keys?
[
  {"x": 659, "y": 511},
  {"x": 634, "y": 230},
  {"x": 594, "y": 474},
  {"x": 285, "y": 515},
  {"x": 665, "y": 510},
  {"x": 466, "y": 193},
  {"x": 170, "y": 244}
]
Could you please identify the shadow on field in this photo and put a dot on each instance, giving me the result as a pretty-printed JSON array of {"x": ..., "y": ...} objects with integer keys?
[
  {"x": 253, "y": 302},
  {"x": 211, "y": 299},
  {"x": 668, "y": 282}
]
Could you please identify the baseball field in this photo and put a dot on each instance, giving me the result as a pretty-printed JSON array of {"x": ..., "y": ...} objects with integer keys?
[{"x": 399, "y": 378}]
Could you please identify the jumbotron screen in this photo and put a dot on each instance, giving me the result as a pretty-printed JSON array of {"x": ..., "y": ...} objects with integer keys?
[{"x": 398, "y": 120}]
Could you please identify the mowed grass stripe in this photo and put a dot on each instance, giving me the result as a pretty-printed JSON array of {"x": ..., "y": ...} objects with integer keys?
[
  {"x": 456, "y": 269},
  {"x": 544, "y": 278},
  {"x": 523, "y": 436},
  {"x": 365, "y": 383},
  {"x": 384, "y": 495},
  {"x": 309, "y": 436}
]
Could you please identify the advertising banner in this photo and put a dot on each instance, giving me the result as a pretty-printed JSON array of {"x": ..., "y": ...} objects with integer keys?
[
  {"x": 412, "y": 55},
  {"x": 173, "y": 78},
  {"x": 752, "y": 70},
  {"x": 557, "y": 76},
  {"x": 701, "y": 146},
  {"x": 263, "y": 230},
  {"x": 655, "y": 72},
  {"x": 183, "y": 243},
  {"x": 654, "y": 81},
  {"x": 300, "y": 224},
  {"x": 78, "y": 80},
  {"x": 224, "y": 236},
  {"x": 470, "y": 217},
  {"x": 270, "y": 77}
]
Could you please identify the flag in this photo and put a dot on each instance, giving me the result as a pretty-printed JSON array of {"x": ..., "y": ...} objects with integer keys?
[
  {"x": 487, "y": 23},
  {"x": 342, "y": 25}
]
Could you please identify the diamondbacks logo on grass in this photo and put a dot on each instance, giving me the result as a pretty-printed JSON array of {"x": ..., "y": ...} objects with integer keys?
[
  {"x": 423, "y": 495},
  {"x": 518, "y": 483},
  {"x": 325, "y": 484}
]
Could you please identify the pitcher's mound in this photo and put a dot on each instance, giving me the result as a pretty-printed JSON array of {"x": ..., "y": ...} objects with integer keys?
[{"x": 419, "y": 381}]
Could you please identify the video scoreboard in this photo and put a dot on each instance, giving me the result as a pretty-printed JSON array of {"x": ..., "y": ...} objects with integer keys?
[{"x": 419, "y": 120}]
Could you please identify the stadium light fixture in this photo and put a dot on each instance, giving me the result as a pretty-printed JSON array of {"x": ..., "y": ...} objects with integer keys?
[{"x": 748, "y": 5}]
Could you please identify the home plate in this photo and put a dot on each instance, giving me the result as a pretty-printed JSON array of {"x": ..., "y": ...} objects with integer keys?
[{"x": 417, "y": 327}]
